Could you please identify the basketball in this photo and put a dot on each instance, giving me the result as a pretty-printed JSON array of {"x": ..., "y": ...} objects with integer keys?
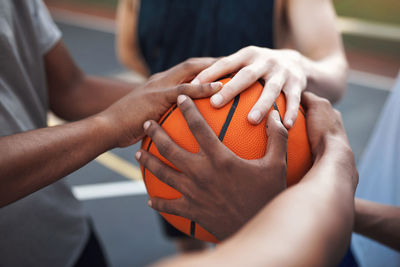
[{"x": 231, "y": 126}]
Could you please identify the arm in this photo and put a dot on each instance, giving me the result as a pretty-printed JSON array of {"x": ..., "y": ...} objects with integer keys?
[
  {"x": 310, "y": 58},
  {"x": 320, "y": 45},
  {"x": 74, "y": 95},
  {"x": 308, "y": 224},
  {"x": 34, "y": 159},
  {"x": 379, "y": 222},
  {"x": 128, "y": 49}
]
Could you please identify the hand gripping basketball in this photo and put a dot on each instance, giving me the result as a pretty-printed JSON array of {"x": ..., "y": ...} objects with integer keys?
[
  {"x": 228, "y": 133},
  {"x": 220, "y": 191}
]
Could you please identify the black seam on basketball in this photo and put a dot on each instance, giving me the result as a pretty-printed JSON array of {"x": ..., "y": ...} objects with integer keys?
[
  {"x": 151, "y": 141},
  {"x": 260, "y": 81},
  {"x": 276, "y": 108},
  {"x": 302, "y": 112},
  {"x": 228, "y": 118},
  {"x": 221, "y": 138},
  {"x": 192, "y": 228}
]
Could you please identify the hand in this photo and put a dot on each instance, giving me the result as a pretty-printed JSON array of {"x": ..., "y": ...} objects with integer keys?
[
  {"x": 154, "y": 98},
  {"x": 282, "y": 70},
  {"x": 328, "y": 137},
  {"x": 324, "y": 124},
  {"x": 220, "y": 190}
]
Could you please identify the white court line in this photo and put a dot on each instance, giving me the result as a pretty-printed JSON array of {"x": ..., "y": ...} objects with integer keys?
[
  {"x": 83, "y": 20},
  {"x": 108, "y": 190},
  {"x": 365, "y": 28},
  {"x": 373, "y": 81}
]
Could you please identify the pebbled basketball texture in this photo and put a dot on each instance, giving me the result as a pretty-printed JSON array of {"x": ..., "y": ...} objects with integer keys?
[{"x": 244, "y": 139}]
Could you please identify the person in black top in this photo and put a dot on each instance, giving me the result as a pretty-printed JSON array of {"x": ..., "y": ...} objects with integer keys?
[{"x": 292, "y": 45}]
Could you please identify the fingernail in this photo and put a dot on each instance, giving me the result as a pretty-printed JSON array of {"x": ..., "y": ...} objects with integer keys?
[
  {"x": 289, "y": 123},
  {"x": 195, "y": 82},
  {"x": 216, "y": 85},
  {"x": 149, "y": 203},
  {"x": 146, "y": 125},
  {"x": 138, "y": 155},
  {"x": 216, "y": 99},
  {"x": 255, "y": 115},
  {"x": 275, "y": 115},
  {"x": 181, "y": 99}
]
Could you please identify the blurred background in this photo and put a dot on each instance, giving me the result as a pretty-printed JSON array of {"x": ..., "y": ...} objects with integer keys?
[{"x": 111, "y": 186}]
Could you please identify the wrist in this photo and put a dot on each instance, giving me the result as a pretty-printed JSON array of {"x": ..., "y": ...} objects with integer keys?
[{"x": 105, "y": 127}]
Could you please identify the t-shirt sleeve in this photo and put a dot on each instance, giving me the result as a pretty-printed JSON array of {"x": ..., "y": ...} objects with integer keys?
[{"x": 46, "y": 30}]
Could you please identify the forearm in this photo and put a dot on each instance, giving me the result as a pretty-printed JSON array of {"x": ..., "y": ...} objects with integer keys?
[
  {"x": 379, "y": 222},
  {"x": 35, "y": 159},
  {"x": 128, "y": 50},
  {"x": 314, "y": 220},
  {"x": 88, "y": 96},
  {"x": 307, "y": 225},
  {"x": 313, "y": 32},
  {"x": 327, "y": 77}
]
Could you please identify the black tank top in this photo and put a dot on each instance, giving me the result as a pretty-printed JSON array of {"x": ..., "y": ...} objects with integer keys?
[{"x": 171, "y": 31}]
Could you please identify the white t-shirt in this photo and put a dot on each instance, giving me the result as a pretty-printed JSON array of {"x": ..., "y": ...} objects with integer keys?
[
  {"x": 379, "y": 171},
  {"x": 49, "y": 227}
]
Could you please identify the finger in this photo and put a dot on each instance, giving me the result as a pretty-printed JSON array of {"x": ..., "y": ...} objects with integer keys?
[
  {"x": 177, "y": 206},
  {"x": 187, "y": 70},
  {"x": 241, "y": 81},
  {"x": 271, "y": 91},
  {"x": 203, "y": 133},
  {"x": 178, "y": 156},
  {"x": 277, "y": 139},
  {"x": 293, "y": 97},
  {"x": 192, "y": 90},
  {"x": 163, "y": 172},
  {"x": 309, "y": 99},
  {"x": 220, "y": 68}
]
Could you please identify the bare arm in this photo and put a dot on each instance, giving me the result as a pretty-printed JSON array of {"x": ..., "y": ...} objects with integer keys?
[
  {"x": 379, "y": 222},
  {"x": 128, "y": 49},
  {"x": 308, "y": 224},
  {"x": 75, "y": 95},
  {"x": 34, "y": 159},
  {"x": 313, "y": 32}
]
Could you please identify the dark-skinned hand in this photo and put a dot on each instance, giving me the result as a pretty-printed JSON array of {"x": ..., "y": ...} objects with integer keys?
[
  {"x": 220, "y": 191},
  {"x": 154, "y": 98}
]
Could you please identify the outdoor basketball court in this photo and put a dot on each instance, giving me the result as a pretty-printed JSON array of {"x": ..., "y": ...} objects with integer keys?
[{"x": 109, "y": 187}]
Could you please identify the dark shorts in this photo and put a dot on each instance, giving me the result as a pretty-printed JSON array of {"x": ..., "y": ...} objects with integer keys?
[
  {"x": 170, "y": 231},
  {"x": 92, "y": 254}
]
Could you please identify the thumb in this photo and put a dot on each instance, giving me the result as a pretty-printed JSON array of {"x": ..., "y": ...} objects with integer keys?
[
  {"x": 277, "y": 138},
  {"x": 309, "y": 100}
]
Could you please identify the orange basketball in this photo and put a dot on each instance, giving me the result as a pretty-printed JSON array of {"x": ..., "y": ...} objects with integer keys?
[{"x": 230, "y": 124}]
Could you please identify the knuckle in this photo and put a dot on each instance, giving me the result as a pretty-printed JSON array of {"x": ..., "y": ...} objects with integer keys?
[
  {"x": 250, "y": 48},
  {"x": 338, "y": 114},
  {"x": 189, "y": 63},
  {"x": 249, "y": 73},
  {"x": 196, "y": 124},
  {"x": 223, "y": 61},
  {"x": 279, "y": 164},
  {"x": 225, "y": 162},
  {"x": 274, "y": 86},
  {"x": 324, "y": 103},
  {"x": 282, "y": 132},
  {"x": 165, "y": 148},
  {"x": 182, "y": 88},
  {"x": 272, "y": 61},
  {"x": 295, "y": 97}
]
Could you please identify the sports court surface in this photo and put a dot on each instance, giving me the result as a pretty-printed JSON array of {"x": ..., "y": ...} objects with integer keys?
[{"x": 116, "y": 201}]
